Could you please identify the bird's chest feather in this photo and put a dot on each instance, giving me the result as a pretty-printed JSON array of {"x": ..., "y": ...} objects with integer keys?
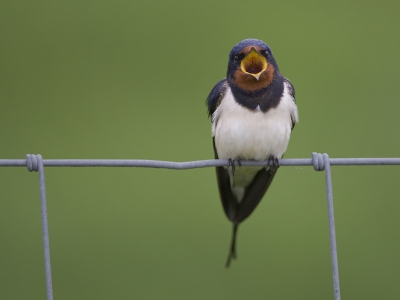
[{"x": 241, "y": 133}]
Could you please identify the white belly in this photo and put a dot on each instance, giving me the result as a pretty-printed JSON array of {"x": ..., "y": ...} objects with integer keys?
[{"x": 244, "y": 134}]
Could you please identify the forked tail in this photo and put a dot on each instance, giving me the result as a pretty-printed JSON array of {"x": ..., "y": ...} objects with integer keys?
[{"x": 232, "y": 250}]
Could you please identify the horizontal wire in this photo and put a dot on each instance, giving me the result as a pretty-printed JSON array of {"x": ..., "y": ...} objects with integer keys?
[{"x": 192, "y": 164}]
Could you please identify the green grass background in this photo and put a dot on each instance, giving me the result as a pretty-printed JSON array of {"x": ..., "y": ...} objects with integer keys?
[{"x": 128, "y": 80}]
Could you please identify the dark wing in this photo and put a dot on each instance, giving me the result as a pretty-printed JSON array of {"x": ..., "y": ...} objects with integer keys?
[
  {"x": 229, "y": 201},
  {"x": 254, "y": 193},
  {"x": 235, "y": 211},
  {"x": 292, "y": 93},
  {"x": 216, "y": 95}
]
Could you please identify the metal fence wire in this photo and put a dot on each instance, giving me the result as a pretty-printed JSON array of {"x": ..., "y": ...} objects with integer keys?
[{"x": 320, "y": 162}]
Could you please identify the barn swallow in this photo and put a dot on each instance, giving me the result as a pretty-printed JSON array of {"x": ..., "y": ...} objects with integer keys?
[{"x": 253, "y": 112}]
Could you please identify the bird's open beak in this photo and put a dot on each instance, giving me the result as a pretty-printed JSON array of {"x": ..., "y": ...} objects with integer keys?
[{"x": 254, "y": 63}]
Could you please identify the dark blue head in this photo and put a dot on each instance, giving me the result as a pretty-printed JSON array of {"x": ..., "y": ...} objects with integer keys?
[
  {"x": 251, "y": 65},
  {"x": 248, "y": 42}
]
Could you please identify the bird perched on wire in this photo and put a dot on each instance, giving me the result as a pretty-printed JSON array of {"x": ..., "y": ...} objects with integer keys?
[{"x": 253, "y": 112}]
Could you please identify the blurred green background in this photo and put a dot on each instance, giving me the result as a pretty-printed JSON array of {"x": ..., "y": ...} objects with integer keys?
[{"x": 128, "y": 80}]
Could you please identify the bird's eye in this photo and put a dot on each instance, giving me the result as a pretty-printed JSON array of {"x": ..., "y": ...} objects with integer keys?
[
  {"x": 266, "y": 53},
  {"x": 236, "y": 58}
]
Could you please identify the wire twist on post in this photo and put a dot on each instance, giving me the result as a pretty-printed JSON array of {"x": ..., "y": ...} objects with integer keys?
[
  {"x": 318, "y": 161},
  {"x": 32, "y": 163}
]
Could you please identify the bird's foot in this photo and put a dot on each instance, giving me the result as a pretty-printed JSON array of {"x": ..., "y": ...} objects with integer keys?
[
  {"x": 231, "y": 164},
  {"x": 273, "y": 163}
]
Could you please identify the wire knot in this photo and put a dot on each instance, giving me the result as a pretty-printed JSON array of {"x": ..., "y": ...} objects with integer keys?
[
  {"x": 32, "y": 162},
  {"x": 318, "y": 161}
]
